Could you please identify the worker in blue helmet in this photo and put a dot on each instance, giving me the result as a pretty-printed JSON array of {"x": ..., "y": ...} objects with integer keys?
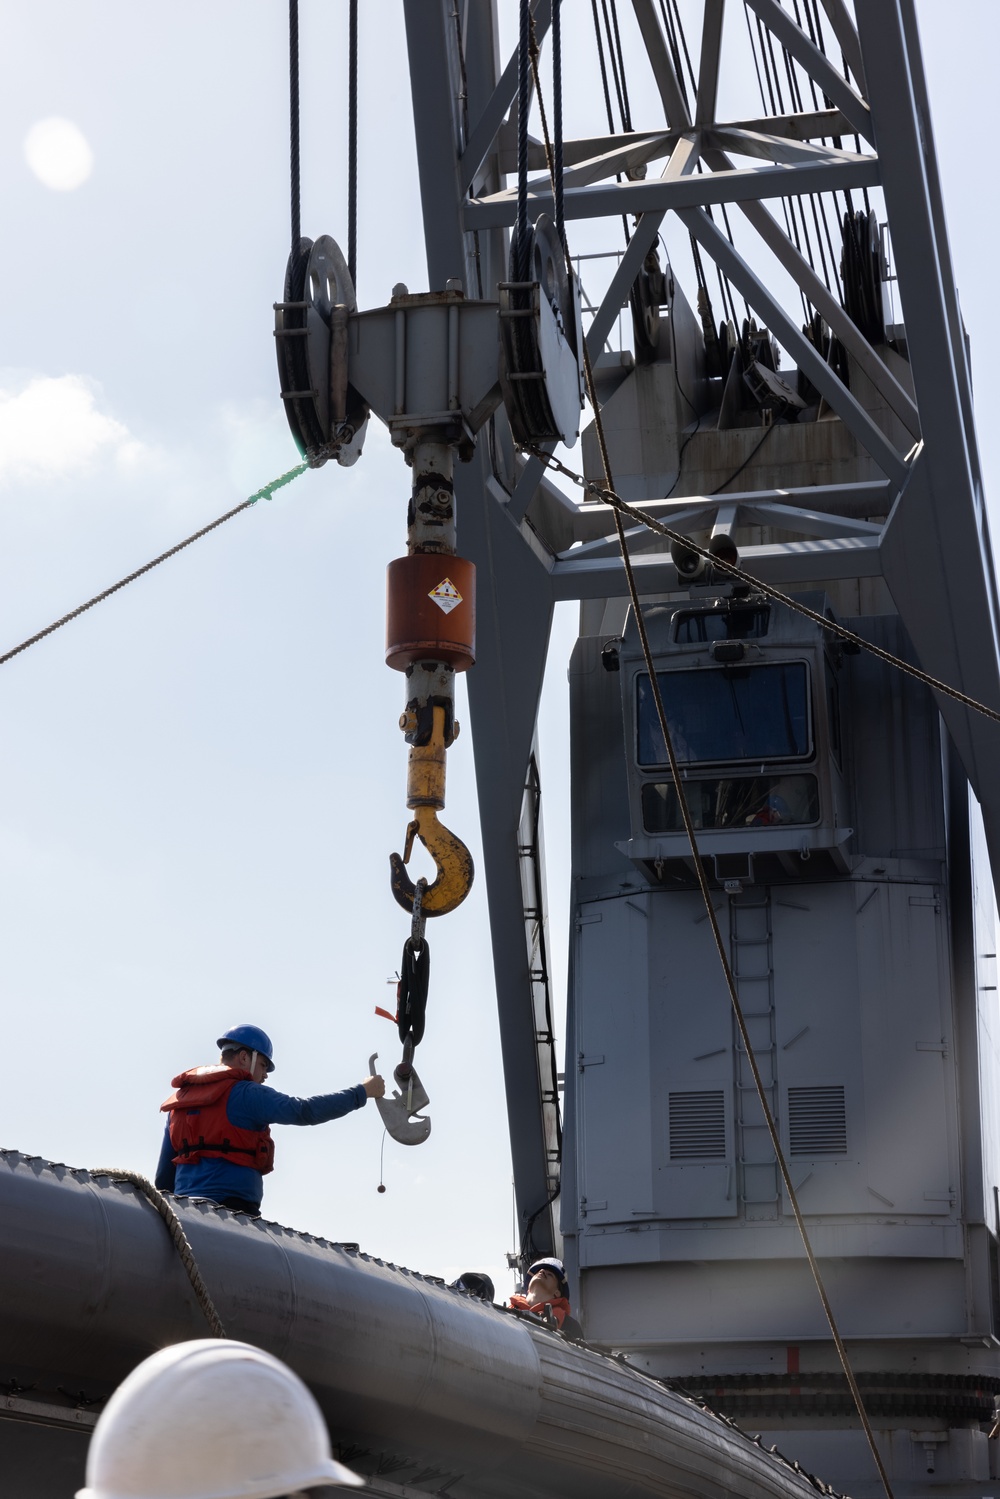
[{"x": 217, "y": 1142}]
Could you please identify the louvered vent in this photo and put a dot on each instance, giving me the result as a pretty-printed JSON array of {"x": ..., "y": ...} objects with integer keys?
[
  {"x": 817, "y": 1121},
  {"x": 698, "y": 1125}
]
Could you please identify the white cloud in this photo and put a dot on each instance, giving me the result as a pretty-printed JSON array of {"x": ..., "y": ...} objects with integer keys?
[
  {"x": 58, "y": 153},
  {"x": 53, "y": 428}
]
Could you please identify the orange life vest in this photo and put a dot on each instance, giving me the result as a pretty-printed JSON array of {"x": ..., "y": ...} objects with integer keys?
[
  {"x": 199, "y": 1126},
  {"x": 558, "y": 1306}
]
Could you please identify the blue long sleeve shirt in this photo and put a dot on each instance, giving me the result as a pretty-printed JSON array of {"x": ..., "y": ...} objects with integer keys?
[{"x": 250, "y": 1106}]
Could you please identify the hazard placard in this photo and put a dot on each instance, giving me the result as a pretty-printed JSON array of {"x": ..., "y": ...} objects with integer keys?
[{"x": 446, "y": 596}]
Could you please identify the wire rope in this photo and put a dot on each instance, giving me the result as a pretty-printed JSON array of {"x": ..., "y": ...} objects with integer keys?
[
  {"x": 627, "y": 116},
  {"x": 293, "y": 121},
  {"x": 604, "y": 68},
  {"x": 607, "y": 97},
  {"x": 623, "y": 112},
  {"x": 520, "y": 240},
  {"x": 557, "y": 118},
  {"x": 261, "y": 494},
  {"x": 352, "y": 144},
  {"x": 740, "y": 575},
  {"x": 621, "y": 508}
]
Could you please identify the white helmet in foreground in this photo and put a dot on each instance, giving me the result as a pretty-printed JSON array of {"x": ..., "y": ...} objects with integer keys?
[{"x": 211, "y": 1419}]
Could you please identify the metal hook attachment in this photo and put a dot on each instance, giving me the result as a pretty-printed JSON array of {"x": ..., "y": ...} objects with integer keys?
[
  {"x": 455, "y": 870},
  {"x": 396, "y": 1111}
]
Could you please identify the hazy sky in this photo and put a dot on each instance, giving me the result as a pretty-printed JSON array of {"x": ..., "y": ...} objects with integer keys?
[{"x": 203, "y": 778}]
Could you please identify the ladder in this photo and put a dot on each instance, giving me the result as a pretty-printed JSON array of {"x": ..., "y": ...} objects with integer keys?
[{"x": 751, "y": 957}]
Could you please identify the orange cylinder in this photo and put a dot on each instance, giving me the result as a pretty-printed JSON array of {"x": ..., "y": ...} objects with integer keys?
[{"x": 430, "y": 610}]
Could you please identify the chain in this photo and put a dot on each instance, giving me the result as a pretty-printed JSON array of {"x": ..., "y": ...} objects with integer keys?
[{"x": 620, "y": 506}]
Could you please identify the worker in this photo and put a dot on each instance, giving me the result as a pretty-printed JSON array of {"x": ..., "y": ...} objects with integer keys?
[
  {"x": 547, "y": 1290},
  {"x": 217, "y": 1143},
  {"x": 209, "y": 1418}
]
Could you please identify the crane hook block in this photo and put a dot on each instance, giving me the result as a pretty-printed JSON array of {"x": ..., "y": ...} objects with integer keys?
[
  {"x": 455, "y": 870},
  {"x": 430, "y": 612}
]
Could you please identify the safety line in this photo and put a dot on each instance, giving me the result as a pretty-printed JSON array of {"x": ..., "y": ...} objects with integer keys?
[
  {"x": 261, "y": 494},
  {"x": 180, "y": 1239},
  {"x": 740, "y": 575},
  {"x": 706, "y": 895}
]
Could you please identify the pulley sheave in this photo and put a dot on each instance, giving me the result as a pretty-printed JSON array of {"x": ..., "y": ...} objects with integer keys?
[
  {"x": 541, "y": 342},
  {"x": 326, "y": 415}
]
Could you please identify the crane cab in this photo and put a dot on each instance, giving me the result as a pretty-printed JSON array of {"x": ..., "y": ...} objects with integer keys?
[{"x": 752, "y": 698}]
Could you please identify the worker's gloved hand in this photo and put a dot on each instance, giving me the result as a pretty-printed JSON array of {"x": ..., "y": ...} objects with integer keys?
[{"x": 374, "y": 1086}]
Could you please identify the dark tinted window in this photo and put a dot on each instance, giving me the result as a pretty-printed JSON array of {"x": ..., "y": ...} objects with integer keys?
[
  {"x": 729, "y": 713},
  {"x": 721, "y": 624},
  {"x": 732, "y": 802}
]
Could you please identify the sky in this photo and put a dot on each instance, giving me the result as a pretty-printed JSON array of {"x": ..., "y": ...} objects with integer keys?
[{"x": 201, "y": 780}]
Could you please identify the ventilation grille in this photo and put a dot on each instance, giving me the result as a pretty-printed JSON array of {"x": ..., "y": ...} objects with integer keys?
[
  {"x": 698, "y": 1125},
  {"x": 817, "y": 1121}
]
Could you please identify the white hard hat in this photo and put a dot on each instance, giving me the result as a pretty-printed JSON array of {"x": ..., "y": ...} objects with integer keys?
[{"x": 211, "y": 1419}]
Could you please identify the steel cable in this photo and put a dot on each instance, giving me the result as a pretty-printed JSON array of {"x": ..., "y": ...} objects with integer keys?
[
  {"x": 181, "y": 1242},
  {"x": 293, "y": 119},
  {"x": 557, "y": 118},
  {"x": 261, "y": 494},
  {"x": 519, "y": 245},
  {"x": 738, "y": 574},
  {"x": 620, "y": 508},
  {"x": 352, "y": 146},
  {"x": 702, "y": 878},
  {"x": 627, "y": 108}
]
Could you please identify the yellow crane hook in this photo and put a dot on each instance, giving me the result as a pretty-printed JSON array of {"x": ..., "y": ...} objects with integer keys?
[{"x": 425, "y": 795}]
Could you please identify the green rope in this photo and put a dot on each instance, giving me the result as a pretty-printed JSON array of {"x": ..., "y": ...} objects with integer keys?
[{"x": 268, "y": 490}]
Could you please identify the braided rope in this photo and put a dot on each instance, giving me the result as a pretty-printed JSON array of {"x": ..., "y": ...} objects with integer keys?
[{"x": 180, "y": 1239}]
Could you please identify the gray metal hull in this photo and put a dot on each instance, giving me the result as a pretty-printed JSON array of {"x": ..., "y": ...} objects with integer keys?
[{"x": 420, "y": 1385}]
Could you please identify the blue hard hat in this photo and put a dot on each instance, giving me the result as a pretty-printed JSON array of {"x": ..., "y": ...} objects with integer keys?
[{"x": 250, "y": 1036}]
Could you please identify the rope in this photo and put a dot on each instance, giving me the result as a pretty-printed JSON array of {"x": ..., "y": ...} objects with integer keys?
[
  {"x": 619, "y": 508},
  {"x": 519, "y": 244},
  {"x": 604, "y": 69},
  {"x": 534, "y": 53},
  {"x": 293, "y": 111},
  {"x": 352, "y": 146},
  {"x": 741, "y": 576},
  {"x": 557, "y": 116},
  {"x": 626, "y": 107},
  {"x": 181, "y": 1241},
  {"x": 261, "y": 494}
]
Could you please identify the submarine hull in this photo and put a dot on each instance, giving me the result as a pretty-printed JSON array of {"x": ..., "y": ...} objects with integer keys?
[{"x": 423, "y": 1387}]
